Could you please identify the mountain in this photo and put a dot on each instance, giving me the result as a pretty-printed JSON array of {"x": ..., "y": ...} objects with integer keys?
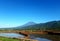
[
  {"x": 28, "y": 24},
  {"x": 19, "y": 27},
  {"x": 25, "y": 25},
  {"x": 52, "y": 25}
]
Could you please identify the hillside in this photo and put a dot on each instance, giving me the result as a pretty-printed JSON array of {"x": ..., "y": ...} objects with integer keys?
[
  {"x": 52, "y": 25},
  {"x": 19, "y": 27}
]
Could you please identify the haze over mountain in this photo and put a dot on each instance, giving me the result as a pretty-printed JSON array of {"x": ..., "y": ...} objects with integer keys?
[
  {"x": 28, "y": 24},
  {"x": 52, "y": 25},
  {"x": 24, "y": 25}
]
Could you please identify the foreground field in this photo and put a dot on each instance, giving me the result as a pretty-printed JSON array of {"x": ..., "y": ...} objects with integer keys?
[
  {"x": 15, "y": 39},
  {"x": 7, "y": 39}
]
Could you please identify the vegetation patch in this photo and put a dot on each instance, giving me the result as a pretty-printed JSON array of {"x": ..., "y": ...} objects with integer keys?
[{"x": 8, "y": 39}]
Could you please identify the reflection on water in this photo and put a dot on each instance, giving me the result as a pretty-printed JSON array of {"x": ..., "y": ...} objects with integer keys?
[
  {"x": 37, "y": 37},
  {"x": 34, "y": 36},
  {"x": 49, "y": 37},
  {"x": 42, "y": 39},
  {"x": 11, "y": 35}
]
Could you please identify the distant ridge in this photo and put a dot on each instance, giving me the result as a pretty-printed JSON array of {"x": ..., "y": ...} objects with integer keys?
[
  {"x": 29, "y": 23},
  {"x": 52, "y": 25}
]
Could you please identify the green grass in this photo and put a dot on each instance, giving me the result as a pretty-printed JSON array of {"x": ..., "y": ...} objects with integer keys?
[
  {"x": 11, "y": 39},
  {"x": 8, "y": 39}
]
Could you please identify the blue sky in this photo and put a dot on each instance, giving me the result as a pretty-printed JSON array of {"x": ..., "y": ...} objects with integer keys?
[{"x": 18, "y": 12}]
